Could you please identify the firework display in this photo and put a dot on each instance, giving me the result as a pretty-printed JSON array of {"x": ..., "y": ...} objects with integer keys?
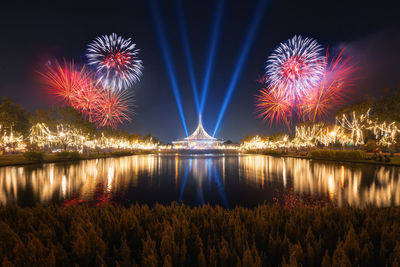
[
  {"x": 65, "y": 81},
  {"x": 78, "y": 88},
  {"x": 114, "y": 108},
  {"x": 296, "y": 65},
  {"x": 331, "y": 92},
  {"x": 303, "y": 82},
  {"x": 100, "y": 96},
  {"x": 273, "y": 105},
  {"x": 115, "y": 61}
]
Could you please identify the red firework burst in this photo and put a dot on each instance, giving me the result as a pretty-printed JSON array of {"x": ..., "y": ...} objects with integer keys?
[
  {"x": 78, "y": 88},
  {"x": 273, "y": 106},
  {"x": 332, "y": 91},
  {"x": 87, "y": 99},
  {"x": 65, "y": 81},
  {"x": 113, "y": 109}
]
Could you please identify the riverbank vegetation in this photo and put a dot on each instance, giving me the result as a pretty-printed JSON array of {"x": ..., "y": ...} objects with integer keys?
[
  {"x": 339, "y": 154},
  {"x": 368, "y": 125},
  {"x": 61, "y": 129},
  {"x": 41, "y": 157},
  {"x": 204, "y": 236}
]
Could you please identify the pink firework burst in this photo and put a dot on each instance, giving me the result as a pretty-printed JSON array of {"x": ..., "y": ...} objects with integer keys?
[{"x": 331, "y": 93}]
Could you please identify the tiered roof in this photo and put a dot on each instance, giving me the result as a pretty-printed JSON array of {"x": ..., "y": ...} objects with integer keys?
[{"x": 200, "y": 133}]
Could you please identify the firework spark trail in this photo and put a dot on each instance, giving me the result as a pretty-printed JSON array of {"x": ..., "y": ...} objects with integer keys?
[
  {"x": 333, "y": 89},
  {"x": 86, "y": 100},
  {"x": 276, "y": 103},
  {"x": 273, "y": 106},
  {"x": 76, "y": 87},
  {"x": 65, "y": 81},
  {"x": 114, "y": 108},
  {"x": 115, "y": 60},
  {"x": 296, "y": 65}
]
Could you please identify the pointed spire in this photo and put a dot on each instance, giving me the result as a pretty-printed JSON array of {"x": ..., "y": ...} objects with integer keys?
[
  {"x": 200, "y": 133},
  {"x": 200, "y": 122}
]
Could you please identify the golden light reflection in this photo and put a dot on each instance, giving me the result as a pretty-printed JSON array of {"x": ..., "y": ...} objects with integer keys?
[
  {"x": 345, "y": 184},
  {"x": 176, "y": 168},
  {"x": 54, "y": 181}
]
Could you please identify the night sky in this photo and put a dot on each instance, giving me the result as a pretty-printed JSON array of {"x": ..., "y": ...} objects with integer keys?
[{"x": 32, "y": 34}]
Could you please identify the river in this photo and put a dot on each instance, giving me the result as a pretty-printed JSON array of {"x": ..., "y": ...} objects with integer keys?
[{"x": 226, "y": 180}]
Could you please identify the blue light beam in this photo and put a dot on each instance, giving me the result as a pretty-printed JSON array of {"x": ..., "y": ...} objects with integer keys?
[
  {"x": 187, "y": 52},
  {"x": 169, "y": 65},
  {"x": 257, "y": 16},
  {"x": 212, "y": 50}
]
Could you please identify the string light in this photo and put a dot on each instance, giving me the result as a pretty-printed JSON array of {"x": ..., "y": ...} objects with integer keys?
[
  {"x": 348, "y": 130},
  {"x": 10, "y": 141},
  {"x": 66, "y": 136}
]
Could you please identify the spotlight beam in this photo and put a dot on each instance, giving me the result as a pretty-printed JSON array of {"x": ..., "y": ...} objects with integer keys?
[
  {"x": 212, "y": 50},
  {"x": 257, "y": 16},
  {"x": 187, "y": 52},
  {"x": 169, "y": 64}
]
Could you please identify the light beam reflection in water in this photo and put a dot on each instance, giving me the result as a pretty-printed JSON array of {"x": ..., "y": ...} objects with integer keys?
[{"x": 196, "y": 179}]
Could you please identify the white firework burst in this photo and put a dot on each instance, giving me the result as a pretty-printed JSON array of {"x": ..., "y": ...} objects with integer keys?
[
  {"x": 115, "y": 60},
  {"x": 297, "y": 65}
]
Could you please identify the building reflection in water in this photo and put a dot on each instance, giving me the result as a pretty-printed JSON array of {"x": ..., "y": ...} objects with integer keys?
[{"x": 203, "y": 178}]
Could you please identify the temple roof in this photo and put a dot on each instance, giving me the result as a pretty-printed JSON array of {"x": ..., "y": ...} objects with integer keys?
[{"x": 200, "y": 133}]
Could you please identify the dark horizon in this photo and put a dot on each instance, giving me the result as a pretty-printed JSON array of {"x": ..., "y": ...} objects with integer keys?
[{"x": 33, "y": 34}]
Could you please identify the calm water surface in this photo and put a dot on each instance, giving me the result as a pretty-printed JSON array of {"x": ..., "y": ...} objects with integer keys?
[{"x": 226, "y": 180}]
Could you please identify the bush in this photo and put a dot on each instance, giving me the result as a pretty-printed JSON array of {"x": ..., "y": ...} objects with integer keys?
[
  {"x": 34, "y": 156},
  {"x": 275, "y": 152},
  {"x": 370, "y": 145},
  {"x": 73, "y": 155},
  {"x": 339, "y": 154},
  {"x": 121, "y": 153}
]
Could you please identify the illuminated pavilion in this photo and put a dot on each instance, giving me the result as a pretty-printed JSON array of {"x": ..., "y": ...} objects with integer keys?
[{"x": 199, "y": 139}]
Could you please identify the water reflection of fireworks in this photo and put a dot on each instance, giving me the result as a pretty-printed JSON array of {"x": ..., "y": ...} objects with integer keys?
[{"x": 289, "y": 199}]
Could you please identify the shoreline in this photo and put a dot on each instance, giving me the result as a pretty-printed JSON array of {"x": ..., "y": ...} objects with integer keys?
[
  {"x": 19, "y": 160},
  {"x": 10, "y": 160},
  {"x": 371, "y": 162}
]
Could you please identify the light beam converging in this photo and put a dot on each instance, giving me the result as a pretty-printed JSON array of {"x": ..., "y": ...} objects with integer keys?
[
  {"x": 187, "y": 52},
  {"x": 211, "y": 54},
  {"x": 166, "y": 54},
  {"x": 257, "y": 16}
]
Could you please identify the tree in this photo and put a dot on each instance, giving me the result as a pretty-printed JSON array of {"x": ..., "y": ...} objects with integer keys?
[{"x": 14, "y": 116}]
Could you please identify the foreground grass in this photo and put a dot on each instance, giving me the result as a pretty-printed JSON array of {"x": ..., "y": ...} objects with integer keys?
[{"x": 206, "y": 236}]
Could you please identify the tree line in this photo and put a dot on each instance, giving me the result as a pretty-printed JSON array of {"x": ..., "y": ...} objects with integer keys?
[
  {"x": 16, "y": 119},
  {"x": 367, "y": 124}
]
